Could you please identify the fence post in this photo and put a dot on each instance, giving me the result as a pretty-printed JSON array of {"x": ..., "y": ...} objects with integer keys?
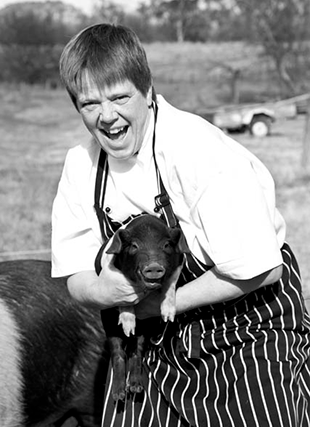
[{"x": 305, "y": 160}]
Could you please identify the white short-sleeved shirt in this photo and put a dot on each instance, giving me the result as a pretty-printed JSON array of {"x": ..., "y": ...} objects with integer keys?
[{"x": 221, "y": 193}]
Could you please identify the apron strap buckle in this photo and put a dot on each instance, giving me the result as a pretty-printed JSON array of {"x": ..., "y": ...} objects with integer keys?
[
  {"x": 162, "y": 203},
  {"x": 162, "y": 200}
]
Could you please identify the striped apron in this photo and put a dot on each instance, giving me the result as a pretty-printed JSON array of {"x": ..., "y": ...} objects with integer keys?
[{"x": 242, "y": 363}]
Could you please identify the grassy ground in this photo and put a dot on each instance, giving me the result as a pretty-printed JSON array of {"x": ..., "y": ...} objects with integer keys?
[{"x": 38, "y": 126}]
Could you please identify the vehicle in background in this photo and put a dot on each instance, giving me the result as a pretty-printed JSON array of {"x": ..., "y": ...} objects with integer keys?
[
  {"x": 301, "y": 102},
  {"x": 255, "y": 118}
]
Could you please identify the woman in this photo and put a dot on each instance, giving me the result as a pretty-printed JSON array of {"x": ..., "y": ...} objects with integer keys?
[{"x": 238, "y": 353}]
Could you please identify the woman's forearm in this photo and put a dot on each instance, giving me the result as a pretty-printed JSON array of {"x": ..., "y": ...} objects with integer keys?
[
  {"x": 212, "y": 288},
  {"x": 82, "y": 287}
]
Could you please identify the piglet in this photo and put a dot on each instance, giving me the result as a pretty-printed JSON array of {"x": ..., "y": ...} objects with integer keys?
[{"x": 151, "y": 255}]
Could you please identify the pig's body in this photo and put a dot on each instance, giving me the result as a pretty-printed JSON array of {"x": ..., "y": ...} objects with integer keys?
[
  {"x": 52, "y": 357},
  {"x": 151, "y": 255}
]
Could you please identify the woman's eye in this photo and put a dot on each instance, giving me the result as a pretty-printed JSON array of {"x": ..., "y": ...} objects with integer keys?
[
  {"x": 122, "y": 99},
  {"x": 85, "y": 108},
  {"x": 88, "y": 105}
]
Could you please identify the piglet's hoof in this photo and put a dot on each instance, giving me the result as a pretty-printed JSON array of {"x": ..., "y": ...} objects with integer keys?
[
  {"x": 168, "y": 312},
  {"x": 119, "y": 395},
  {"x": 135, "y": 388}
]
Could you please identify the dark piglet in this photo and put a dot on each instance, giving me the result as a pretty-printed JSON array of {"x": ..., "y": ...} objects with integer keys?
[
  {"x": 52, "y": 357},
  {"x": 151, "y": 255}
]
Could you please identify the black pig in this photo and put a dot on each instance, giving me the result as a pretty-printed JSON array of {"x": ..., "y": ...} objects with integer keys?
[
  {"x": 52, "y": 357},
  {"x": 151, "y": 255}
]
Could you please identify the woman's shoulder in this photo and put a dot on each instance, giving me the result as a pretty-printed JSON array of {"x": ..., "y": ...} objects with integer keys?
[
  {"x": 169, "y": 112},
  {"x": 180, "y": 128},
  {"x": 184, "y": 137},
  {"x": 80, "y": 161},
  {"x": 84, "y": 153}
]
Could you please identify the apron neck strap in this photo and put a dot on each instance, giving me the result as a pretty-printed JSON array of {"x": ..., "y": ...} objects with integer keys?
[
  {"x": 162, "y": 200},
  {"x": 102, "y": 169}
]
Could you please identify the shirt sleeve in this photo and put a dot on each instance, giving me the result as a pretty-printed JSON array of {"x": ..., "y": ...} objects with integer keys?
[
  {"x": 237, "y": 228},
  {"x": 74, "y": 241}
]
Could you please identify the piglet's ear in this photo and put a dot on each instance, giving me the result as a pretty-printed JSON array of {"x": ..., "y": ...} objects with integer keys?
[
  {"x": 178, "y": 237},
  {"x": 116, "y": 245}
]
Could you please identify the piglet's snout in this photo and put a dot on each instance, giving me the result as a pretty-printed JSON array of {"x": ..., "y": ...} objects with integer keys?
[{"x": 153, "y": 271}]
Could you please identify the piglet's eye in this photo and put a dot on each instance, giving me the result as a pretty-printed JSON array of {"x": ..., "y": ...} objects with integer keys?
[
  {"x": 133, "y": 248},
  {"x": 167, "y": 245}
]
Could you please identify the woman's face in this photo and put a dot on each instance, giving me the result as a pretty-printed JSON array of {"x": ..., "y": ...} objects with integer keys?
[{"x": 117, "y": 116}]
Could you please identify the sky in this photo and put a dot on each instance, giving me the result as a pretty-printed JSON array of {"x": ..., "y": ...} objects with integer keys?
[{"x": 85, "y": 5}]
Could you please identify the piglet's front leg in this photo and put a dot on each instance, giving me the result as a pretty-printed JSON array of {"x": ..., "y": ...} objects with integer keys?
[
  {"x": 127, "y": 319},
  {"x": 168, "y": 302}
]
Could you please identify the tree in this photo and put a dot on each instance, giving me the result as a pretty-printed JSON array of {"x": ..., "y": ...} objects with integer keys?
[
  {"x": 223, "y": 21},
  {"x": 27, "y": 29},
  {"x": 177, "y": 13},
  {"x": 108, "y": 11},
  {"x": 141, "y": 21},
  {"x": 281, "y": 27},
  {"x": 30, "y": 23},
  {"x": 143, "y": 26},
  {"x": 31, "y": 40}
]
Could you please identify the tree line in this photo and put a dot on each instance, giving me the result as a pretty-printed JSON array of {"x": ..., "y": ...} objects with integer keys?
[{"x": 32, "y": 35}]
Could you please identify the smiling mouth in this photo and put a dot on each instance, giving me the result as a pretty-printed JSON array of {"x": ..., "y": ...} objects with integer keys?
[
  {"x": 115, "y": 134},
  {"x": 149, "y": 283}
]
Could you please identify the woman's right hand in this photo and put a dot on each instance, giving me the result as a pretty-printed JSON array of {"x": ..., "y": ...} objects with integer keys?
[
  {"x": 116, "y": 288},
  {"x": 111, "y": 288}
]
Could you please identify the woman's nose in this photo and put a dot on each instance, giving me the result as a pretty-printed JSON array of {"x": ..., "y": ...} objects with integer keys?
[{"x": 107, "y": 113}]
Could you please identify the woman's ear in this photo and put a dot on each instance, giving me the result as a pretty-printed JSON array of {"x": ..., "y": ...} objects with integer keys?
[{"x": 149, "y": 97}]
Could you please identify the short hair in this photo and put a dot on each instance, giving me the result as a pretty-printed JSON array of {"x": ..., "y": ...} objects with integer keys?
[{"x": 110, "y": 54}]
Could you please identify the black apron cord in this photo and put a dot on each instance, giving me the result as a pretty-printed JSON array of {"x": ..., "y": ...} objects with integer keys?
[
  {"x": 100, "y": 190},
  {"x": 162, "y": 200}
]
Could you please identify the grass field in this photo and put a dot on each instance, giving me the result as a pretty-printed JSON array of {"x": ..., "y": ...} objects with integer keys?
[{"x": 38, "y": 126}]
